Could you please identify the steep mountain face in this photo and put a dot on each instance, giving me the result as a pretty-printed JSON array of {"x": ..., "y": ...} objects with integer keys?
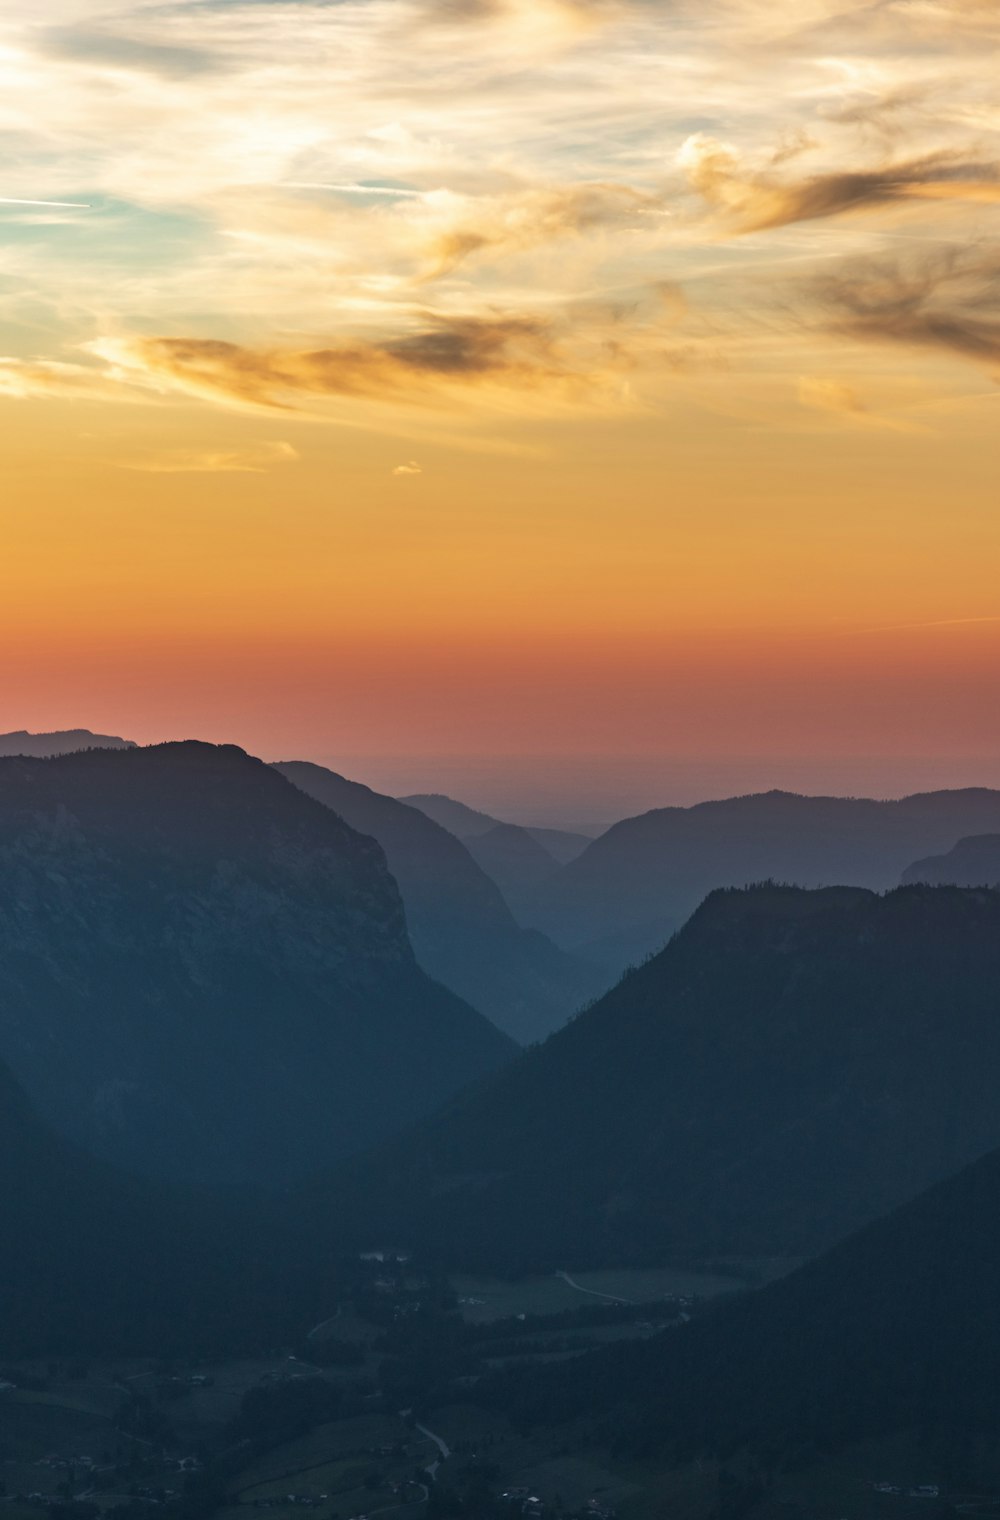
[
  {"x": 96, "y": 1261},
  {"x": 205, "y": 974},
  {"x": 462, "y": 930},
  {"x": 66, "y": 742},
  {"x": 897, "y": 1329},
  {"x": 624, "y": 896},
  {"x": 974, "y": 862},
  {"x": 794, "y": 1064}
]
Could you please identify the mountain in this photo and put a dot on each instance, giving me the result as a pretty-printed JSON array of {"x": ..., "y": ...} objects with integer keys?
[
  {"x": 514, "y": 859},
  {"x": 462, "y": 930},
  {"x": 66, "y": 742},
  {"x": 794, "y": 1064},
  {"x": 623, "y": 897},
  {"x": 466, "y": 823},
  {"x": 96, "y": 1261},
  {"x": 972, "y": 862},
  {"x": 205, "y": 974},
  {"x": 462, "y": 821},
  {"x": 896, "y": 1329}
]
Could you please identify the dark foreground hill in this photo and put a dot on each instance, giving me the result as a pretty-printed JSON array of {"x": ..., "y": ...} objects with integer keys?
[
  {"x": 973, "y": 862},
  {"x": 462, "y": 929},
  {"x": 794, "y": 1064},
  {"x": 895, "y": 1330},
  {"x": 94, "y": 1261},
  {"x": 65, "y": 742},
  {"x": 205, "y": 974},
  {"x": 631, "y": 888}
]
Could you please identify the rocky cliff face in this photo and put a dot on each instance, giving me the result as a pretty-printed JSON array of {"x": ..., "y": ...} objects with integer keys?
[{"x": 205, "y": 974}]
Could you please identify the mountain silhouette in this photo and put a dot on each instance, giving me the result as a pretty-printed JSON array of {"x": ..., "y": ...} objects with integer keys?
[
  {"x": 623, "y": 897},
  {"x": 972, "y": 862},
  {"x": 64, "y": 742},
  {"x": 462, "y": 929},
  {"x": 205, "y": 974},
  {"x": 792, "y": 1065}
]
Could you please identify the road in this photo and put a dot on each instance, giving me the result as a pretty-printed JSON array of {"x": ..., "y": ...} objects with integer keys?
[
  {"x": 592, "y": 1291},
  {"x": 441, "y": 1445}
]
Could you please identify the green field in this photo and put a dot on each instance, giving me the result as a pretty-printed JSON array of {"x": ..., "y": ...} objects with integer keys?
[{"x": 482, "y": 1299}]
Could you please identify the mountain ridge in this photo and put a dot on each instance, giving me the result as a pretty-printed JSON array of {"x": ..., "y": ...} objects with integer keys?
[{"x": 206, "y": 974}]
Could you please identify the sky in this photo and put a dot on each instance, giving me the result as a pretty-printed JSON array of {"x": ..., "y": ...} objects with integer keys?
[{"x": 589, "y": 381}]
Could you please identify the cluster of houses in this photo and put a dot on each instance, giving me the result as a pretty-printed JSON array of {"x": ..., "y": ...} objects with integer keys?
[
  {"x": 523, "y": 1502},
  {"x": 917, "y": 1491},
  {"x": 301, "y": 1501}
]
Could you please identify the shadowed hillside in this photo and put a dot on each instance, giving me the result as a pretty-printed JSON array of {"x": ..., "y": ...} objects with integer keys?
[
  {"x": 624, "y": 896},
  {"x": 897, "y": 1329},
  {"x": 792, "y": 1065},
  {"x": 462, "y": 930},
  {"x": 205, "y": 974},
  {"x": 95, "y": 1261}
]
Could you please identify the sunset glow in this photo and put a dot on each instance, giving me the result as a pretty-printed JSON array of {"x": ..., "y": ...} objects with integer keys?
[{"x": 504, "y": 376}]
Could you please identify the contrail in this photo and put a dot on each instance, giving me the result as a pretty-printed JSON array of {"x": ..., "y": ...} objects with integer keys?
[
  {"x": 9, "y": 200},
  {"x": 355, "y": 189}
]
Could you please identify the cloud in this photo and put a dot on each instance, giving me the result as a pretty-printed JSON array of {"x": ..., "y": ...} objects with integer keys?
[
  {"x": 944, "y": 302},
  {"x": 21, "y": 379},
  {"x": 526, "y": 219},
  {"x": 757, "y": 201},
  {"x": 826, "y": 395},
  {"x": 435, "y": 365},
  {"x": 412, "y": 468},
  {"x": 256, "y": 460},
  {"x": 561, "y": 17},
  {"x": 113, "y": 50}
]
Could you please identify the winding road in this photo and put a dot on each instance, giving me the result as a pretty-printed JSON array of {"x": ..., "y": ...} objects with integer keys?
[{"x": 611, "y": 1298}]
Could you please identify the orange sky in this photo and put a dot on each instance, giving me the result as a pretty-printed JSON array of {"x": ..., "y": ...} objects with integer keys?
[{"x": 636, "y": 395}]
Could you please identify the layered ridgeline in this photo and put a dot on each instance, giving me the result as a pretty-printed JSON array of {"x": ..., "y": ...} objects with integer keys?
[
  {"x": 519, "y": 859},
  {"x": 65, "y": 742},
  {"x": 973, "y": 862},
  {"x": 96, "y": 1261},
  {"x": 631, "y": 888},
  {"x": 462, "y": 929},
  {"x": 204, "y": 973},
  {"x": 896, "y": 1330},
  {"x": 794, "y": 1064}
]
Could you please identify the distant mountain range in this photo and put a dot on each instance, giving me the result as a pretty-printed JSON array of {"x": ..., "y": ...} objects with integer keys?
[
  {"x": 204, "y": 974},
  {"x": 65, "y": 742},
  {"x": 462, "y": 929},
  {"x": 897, "y": 1329},
  {"x": 973, "y": 862},
  {"x": 794, "y": 1064},
  {"x": 518, "y": 859},
  {"x": 629, "y": 890},
  {"x": 466, "y": 823}
]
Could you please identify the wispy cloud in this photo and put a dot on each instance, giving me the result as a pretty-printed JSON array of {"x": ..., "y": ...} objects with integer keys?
[
  {"x": 436, "y": 365},
  {"x": 944, "y": 301},
  {"x": 304, "y": 213},
  {"x": 255, "y": 460},
  {"x": 757, "y": 201}
]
